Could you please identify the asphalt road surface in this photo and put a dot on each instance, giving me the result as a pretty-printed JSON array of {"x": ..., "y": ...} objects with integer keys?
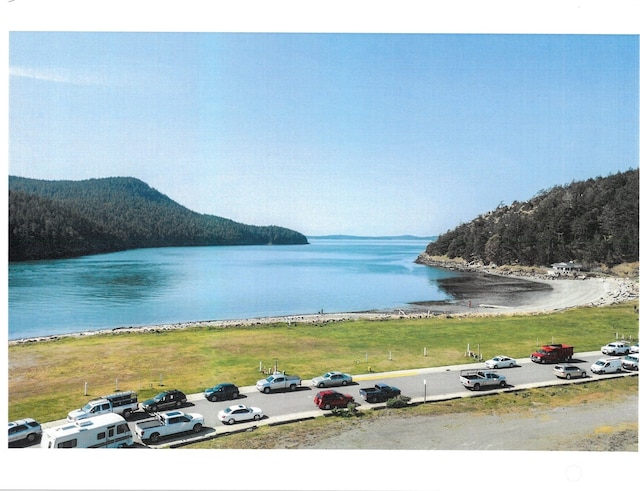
[{"x": 420, "y": 384}]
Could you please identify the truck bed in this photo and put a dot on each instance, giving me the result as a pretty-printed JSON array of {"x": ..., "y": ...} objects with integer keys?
[{"x": 152, "y": 423}]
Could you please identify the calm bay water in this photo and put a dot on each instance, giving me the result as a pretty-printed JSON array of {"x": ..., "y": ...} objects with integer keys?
[{"x": 182, "y": 284}]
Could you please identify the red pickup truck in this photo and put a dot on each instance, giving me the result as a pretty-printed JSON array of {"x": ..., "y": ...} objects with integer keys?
[{"x": 552, "y": 353}]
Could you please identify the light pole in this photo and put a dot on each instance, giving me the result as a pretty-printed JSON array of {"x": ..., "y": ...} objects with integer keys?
[{"x": 425, "y": 390}]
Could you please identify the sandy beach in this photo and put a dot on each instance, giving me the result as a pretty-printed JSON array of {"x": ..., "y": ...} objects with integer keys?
[{"x": 474, "y": 293}]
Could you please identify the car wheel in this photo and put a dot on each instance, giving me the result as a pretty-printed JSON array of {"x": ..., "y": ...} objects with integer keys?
[
  {"x": 293, "y": 387},
  {"x": 213, "y": 398},
  {"x": 179, "y": 404},
  {"x": 584, "y": 374},
  {"x": 126, "y": 413},
  {"x": 256, "y": 417},
  {"x": 31, "y": 437},
  {"x": 568, "y": 376},
  {"x": 235, "y": 395},
  {"x": 232, "y": 421},
  {"x": 327, "y": 406},
  {"x": 197, "y": 427},
  {"x": 321, "y": 385},
  {"x": 344, "y": 382},
  {"x": 476, "y": 387},
  {"x": 511, "y": 365},
  {"x": 503, "y": 384},
  {"x": 154, "y": 437},
  {"x": 267, "y": 390},
  {"x": 153, "y": 409}
]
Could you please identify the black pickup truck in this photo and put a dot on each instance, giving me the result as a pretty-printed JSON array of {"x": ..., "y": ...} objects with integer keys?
[{"x": 379, "y": 393}]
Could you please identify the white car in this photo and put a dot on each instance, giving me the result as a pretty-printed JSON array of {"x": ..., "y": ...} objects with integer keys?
[
  {"x": 630, "y": 362},
  {"x": 616, "y": 348},
  {"x": 633, "y": 348},
  {"x": 607, "y": 365},
  {"x": 239, "y": 412},
  {"x": 500, "y": 362}
]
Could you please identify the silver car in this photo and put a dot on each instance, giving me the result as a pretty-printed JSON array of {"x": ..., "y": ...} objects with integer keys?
[
  {"x": 332, "y": 379},
  {"x": 569, "y": 371},
  {"x": 27, "y": 429}
]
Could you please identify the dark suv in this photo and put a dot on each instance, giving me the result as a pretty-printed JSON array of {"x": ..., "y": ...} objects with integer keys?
[
  {"x": 328, "y": 399},
  {"x": 169, "y": 399},
  {"x": 222, "y": 392}
]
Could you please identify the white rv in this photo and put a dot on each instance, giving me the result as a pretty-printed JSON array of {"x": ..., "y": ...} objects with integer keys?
[{"x": 105, "y": 431}]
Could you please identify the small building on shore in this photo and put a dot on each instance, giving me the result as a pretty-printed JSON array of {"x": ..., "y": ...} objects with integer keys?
[{"x": 565, "y": 268}]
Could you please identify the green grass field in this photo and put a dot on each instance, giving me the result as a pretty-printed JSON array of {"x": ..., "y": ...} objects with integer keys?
[{"x": 47, "y": 379}]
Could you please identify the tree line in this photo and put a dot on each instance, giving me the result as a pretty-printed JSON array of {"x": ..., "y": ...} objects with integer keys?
[
  {"x": 59, "y": 219},
  {"x": 591, "y": 222}
]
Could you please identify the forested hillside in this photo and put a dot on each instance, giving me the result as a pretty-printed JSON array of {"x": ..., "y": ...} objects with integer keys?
[
  {"x": 591, "y": 222},
  {"x": 56, "y": 219}
]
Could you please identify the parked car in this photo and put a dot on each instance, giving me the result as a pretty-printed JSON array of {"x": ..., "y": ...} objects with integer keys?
[
  {"x": 169, "y": 399},
  {"x": 477, "y": 379},
  {"x": 616, "y": 348},
  {"x": 221, "y": 392},
  {"x": 328, "y": 399},
  {"x": 379, "y": 393},
  {"x": 27, "y": 429},
  {"x": 332, "y": 379},
  {"x": 552, "y": 353},
  {"x": 278, "y": 381},
  {"x": 633, "y": 348},
  {"x": 169, "y": 423},
  {"x": 500, "y": 361},
  {"x": 630, "y": 362},
  {"x": 122, "y": 403},
  {"x": 569, "y": 371},
  {"x": 239, "y": 412},
  {"x": 607, "y": 365}
]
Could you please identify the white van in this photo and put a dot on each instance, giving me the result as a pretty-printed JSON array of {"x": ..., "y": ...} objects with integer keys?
[
  {"x": 607, "y": 365},
  {"x": 105, "y": 431},
  {"x": 630, "y": 362}
]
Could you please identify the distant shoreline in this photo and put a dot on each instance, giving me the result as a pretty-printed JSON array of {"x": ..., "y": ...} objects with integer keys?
[{"x": 474, "y": 292}]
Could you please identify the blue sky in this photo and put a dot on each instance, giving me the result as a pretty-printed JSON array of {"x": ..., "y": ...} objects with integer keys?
[{"x": 369, "y": 134}]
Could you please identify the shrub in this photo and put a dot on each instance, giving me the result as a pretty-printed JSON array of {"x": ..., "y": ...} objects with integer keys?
[
  {"x": 346, "y": 412},
  {"x": 400, "y": 401}
]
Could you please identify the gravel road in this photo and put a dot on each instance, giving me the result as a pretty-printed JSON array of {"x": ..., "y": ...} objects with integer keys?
[{"x": 604, "y": 426}]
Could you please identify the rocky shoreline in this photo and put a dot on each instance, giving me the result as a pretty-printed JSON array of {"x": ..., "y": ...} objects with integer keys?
[{"x": 475, "y": 290}]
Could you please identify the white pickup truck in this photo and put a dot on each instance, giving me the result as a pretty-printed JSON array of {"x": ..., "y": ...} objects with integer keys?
[
  {"x": 169, "y": 423},
  {"x": 476, "y": 379},
  {"x": 122, "y": 403},
  {"x": 278, "y": 381}
]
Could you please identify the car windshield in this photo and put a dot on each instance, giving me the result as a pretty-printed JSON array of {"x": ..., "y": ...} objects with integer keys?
[
  {"x": 160, "y": 396},
  {"x": 87, "y": 407}
]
